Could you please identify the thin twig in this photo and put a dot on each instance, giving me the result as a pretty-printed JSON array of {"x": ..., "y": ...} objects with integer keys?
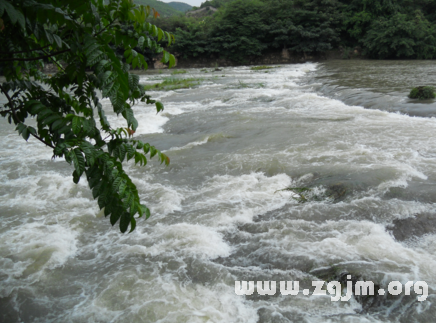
[{"x": 14, "y": 114}]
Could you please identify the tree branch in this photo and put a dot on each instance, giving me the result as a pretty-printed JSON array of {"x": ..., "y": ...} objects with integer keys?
[
  {"x": 43, "y": 141},
  {"x": 59, "y": 65},
  {"x": 34, "y": 58},
  {"x": 104, "y": 28},
  {"x": 11, "y": 103},
  {"x": 25, "y": 51}
]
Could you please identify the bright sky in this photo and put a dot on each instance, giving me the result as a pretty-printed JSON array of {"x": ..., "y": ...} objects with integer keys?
[{"x": 196, "y": 3}]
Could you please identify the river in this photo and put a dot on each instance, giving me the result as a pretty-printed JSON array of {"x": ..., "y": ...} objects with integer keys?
[{"x": 362, "y": 154}]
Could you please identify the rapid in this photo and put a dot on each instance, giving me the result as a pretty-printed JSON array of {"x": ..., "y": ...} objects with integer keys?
[{"x": 344, "y": 131}]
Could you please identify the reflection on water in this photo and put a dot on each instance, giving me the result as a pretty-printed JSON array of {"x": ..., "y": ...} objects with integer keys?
[{"x": 219, "y": 211}]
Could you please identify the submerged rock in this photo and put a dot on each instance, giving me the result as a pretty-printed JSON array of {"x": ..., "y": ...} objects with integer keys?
[
  {"x": 417, "y": 226},
  {"x": 343, "y": 276},
  {"x": 336, "y": 191}
]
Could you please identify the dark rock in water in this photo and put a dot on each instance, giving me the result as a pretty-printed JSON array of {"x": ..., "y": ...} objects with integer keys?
[
  {"x": 274, "y": 315},
  {"x": 404, "y": 229},
  {"x": 341, "y": 275},
  {"x": 336, "y": 191}
]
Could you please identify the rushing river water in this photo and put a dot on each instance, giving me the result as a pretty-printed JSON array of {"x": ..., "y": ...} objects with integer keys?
[{"x": 344, "y": 129}]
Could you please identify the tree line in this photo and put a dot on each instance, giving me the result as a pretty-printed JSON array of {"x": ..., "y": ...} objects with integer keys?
[{"x": 383, "y": 29}]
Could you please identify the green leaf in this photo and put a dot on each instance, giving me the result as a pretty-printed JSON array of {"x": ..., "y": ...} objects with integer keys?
[
  {"x": 146, "y": 148},
  {"x": 14, "y": 14},
  {"x": 59, "y": 123},
  {"x": 122, "y": 152},
  {"x": 131, "y": 120},
  {"x": 118, "y": 101},
  {"x": 110, "y": 89},
  {"x": 159, "y": 106},
  {"x": 76, "y": 177},
  {"x": 172, "y": 61},
  {"x": 141, "y": 42},
  {"x": 130, "y": 152},
  {"x": 58, "y": 40},
  {"x": 78, "y": 161},
  {"x": 166, "y": 57},
  {"x": 132, "y": 224},
  {"x": 133, "y": 81},
  {"x": 116, "y": 183},
  {"x": 168, "y": 36},
  {"x": 25, "y": 134},
  {"x": 125, "y": 221},
  {"x": 77, "y": 124},
  {"x": 115, "y": 217},
  {"x": 138, "y": 158},
  {"x": 153, "y": 151},
  {"x": 50, "y": 119}
]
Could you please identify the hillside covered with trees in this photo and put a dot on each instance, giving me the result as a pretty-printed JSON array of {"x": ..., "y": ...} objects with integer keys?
[
  {"x": 165, "y": 9},
  {"x": 387, "y": 29},
  {"x": 180, "y": 6}
]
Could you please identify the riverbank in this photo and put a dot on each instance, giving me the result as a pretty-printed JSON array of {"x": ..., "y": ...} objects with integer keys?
[{"x": 279, "y": 57}]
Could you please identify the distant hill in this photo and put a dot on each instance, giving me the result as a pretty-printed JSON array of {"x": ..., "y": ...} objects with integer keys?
[
  {"x": 181, "y": 6},
  {"x": 164, "y": 9},
  {"x": 202, "y": 12}
]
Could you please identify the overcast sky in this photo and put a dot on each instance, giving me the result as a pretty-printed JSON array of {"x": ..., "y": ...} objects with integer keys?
[{"x": 196, "y": 3}]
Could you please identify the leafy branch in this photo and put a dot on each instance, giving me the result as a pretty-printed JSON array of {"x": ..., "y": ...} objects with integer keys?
[{"x": 69, "y": 116}]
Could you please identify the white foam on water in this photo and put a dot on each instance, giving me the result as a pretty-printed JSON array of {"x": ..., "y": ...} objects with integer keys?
[
  {"x": 190, "y": 239},
  {"x": 226, "y": 200},
  {"x": 165, "y": 301},
  {"x": 29, "y": 249},
  {"x": 341, "y": 241},
  {"x": 163, "y": 199},
  {"x": 190, "y": 145}
]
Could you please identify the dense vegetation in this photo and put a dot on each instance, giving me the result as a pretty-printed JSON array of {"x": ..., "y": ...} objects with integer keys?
[
  {"x": 93, "y": 44},
  {"x": 422, "y": 93},
  {"x": 382, "y": 29}
]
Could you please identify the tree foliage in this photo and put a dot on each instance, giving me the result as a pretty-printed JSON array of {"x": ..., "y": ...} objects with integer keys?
[
  {"x": 401, "y": 36},
  {"x": 81, "y": 38},
  {"x": 240, "y": 29}
]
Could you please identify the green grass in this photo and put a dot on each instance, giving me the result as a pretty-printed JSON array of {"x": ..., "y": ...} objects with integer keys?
[
  {"x": 171, "y": 83},
  {"x": 179, "y": 72}
]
